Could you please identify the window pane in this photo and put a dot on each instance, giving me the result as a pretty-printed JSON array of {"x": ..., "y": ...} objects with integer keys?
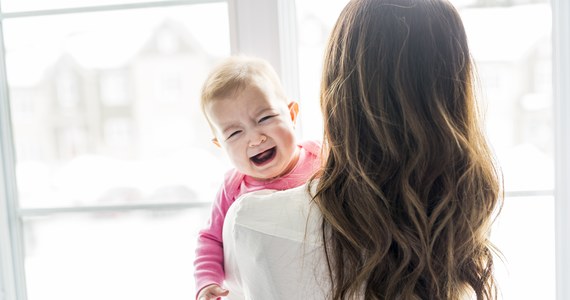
[
  {"x": 514, "y": 65},
  {"x": 524, "y": 233},
  {"x": 105, "y": 106},
  {"x": 113, "y": 256}
]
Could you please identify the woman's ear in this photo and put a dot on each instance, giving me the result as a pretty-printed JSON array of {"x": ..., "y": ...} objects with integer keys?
[{"x": 293, "y": 110}]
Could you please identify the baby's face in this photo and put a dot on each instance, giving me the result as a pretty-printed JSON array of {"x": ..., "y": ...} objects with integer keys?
[{"x": 256, "y": 129}]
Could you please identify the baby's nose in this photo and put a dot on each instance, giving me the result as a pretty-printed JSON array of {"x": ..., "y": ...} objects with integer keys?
[{"x": 258, "y": 140}]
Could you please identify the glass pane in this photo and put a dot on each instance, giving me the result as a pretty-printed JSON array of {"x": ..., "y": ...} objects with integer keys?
[
  {"x": 105, "y": 106},
  {"x": 32, "y": 5},
  {"x": 113, "y": 256},
  {"x": 514, "y": 63},
  {"x": 524, "y": 233}
]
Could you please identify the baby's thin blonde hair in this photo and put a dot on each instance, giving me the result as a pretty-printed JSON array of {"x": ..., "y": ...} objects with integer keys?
[{"x": 235, "y": 73}]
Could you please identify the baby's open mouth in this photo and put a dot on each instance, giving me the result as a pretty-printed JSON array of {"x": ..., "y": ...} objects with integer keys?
[{"x": 263, "y": 157}]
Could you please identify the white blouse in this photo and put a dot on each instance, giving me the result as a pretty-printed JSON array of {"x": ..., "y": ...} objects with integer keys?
[{"x": 273, "y": 248}]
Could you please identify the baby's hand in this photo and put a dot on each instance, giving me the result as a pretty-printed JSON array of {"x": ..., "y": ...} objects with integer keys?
[{"x": 212, "y": 292}]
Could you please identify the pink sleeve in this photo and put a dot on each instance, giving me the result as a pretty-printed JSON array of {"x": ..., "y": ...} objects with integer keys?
[
  {"x": 209, "y": 261},
  {"x": 312, "y": 146}
]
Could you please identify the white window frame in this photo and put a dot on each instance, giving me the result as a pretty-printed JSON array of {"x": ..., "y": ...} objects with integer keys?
[
  {"x": 267, "y": 28},
  {"x": 561, "y": 70},
  {"x": 12, "y": 277}
]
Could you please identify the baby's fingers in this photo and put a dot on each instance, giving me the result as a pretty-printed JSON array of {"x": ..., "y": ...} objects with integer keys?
[
  {"x": 212, "y": 293},
  {"x": 219, "y": 292}
]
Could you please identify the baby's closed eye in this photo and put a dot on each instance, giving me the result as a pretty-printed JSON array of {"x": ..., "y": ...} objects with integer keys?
[
  {"x": 266, "y": 118},
  {"x": 233, "y": 134}
]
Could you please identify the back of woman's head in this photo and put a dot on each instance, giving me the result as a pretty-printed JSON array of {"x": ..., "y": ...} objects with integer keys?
[{"x": 409, "y": 188}]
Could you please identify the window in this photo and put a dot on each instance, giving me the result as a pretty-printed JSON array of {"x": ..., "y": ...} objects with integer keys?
[
  {"x": 113, "y": 87},
  {"x": 108, "y": 169},
  {"x": 66, "y": 89},
  {"x": 103, "y": 147},
  {"x": 118, "y": 136},
  {"x": 514, "y": 63}
]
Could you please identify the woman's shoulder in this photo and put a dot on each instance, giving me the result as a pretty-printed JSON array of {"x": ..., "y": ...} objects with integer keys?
[
  {"x": 272, "y": 246},
  {"x": 274, "y": 200},
  {"x": 297, "y": 193},
  {"x": 284, "y": 213}
]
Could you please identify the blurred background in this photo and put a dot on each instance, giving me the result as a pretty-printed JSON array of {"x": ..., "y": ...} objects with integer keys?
[{"x": 109, "y": 170}]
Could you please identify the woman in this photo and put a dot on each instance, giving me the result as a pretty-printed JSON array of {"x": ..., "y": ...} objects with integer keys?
[{"x": 403, "y": 204}]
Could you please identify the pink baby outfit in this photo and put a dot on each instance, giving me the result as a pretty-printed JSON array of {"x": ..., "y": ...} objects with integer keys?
[{"x": 209, "y": 262}]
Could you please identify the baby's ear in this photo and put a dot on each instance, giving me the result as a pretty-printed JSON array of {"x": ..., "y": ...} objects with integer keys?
[
  {"x": 216, "y": 142},
  {"x": 293, "y": 110}
]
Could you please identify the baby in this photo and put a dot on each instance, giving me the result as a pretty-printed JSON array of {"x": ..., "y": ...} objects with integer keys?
[{"x": 254, "y": 123}]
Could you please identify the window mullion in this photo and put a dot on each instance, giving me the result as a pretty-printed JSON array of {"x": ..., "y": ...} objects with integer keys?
[
  {"x": 561, "y": 66},
  {"x": 44, "y": 211},
  {"x": 109, "y": 7},
  {"x": 267, "y": 29},
  {"x": 12, "y": 278}
]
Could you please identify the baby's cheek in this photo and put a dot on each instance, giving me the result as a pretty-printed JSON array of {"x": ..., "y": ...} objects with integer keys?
[{"x": 235, "y": 159}]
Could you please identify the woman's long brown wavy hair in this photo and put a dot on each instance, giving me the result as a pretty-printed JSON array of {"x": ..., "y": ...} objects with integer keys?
[{"x": 409, "y": 187}]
